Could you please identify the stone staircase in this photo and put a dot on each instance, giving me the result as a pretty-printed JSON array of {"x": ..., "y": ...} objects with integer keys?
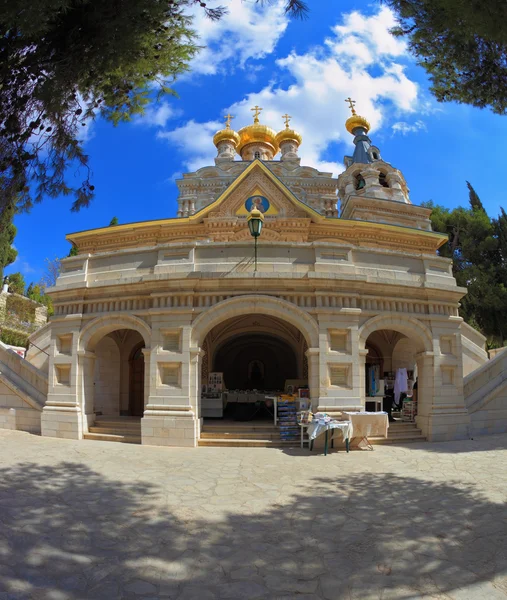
[
  {"x": 115, "y": 429},
  {"x": 258, "y": 435},
  {"x": 400, "y": 433},
  {"x": 252, "y": 434}
]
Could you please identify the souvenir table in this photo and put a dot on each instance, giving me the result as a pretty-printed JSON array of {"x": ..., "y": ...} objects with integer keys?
[
  {"x": 316, "y": 428},
  {"x": 367, "y": 424}
]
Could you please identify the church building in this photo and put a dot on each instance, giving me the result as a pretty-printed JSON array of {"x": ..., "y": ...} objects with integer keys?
[{"x": 342, "y": 289}]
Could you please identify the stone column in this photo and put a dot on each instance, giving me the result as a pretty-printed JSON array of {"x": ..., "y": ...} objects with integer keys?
[
  {"x": 169, "y": 418},
  {"x": 86, "y": 387},
  {"x": 62, "y": 415},
  {"x": 361, "y": 390},
  {"x": 442, "y": 414},
  {"x": 313, "y": 358}
]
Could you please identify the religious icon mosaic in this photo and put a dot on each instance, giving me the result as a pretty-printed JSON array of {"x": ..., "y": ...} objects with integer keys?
[{"x": 261, "y": 203}]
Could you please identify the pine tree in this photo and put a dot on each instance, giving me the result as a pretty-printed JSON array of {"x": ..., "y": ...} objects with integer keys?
[
  {"x": 8, "y": 232},
  {"x": 478, "y": 247},
  {"x": 17, "y": 283},
  {"x": 462, "y": 45},
  {"x": 475, "y": 201}
]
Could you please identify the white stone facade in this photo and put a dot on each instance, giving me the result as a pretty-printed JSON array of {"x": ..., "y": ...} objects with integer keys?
[{"x": 144, "y": 310}]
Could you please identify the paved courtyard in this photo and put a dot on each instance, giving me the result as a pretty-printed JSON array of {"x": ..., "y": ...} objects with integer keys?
[{"x": 86, "y": 520}]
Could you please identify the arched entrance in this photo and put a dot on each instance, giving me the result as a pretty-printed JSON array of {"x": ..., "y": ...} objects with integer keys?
[
  {"x": 398, "y": 357},
  {"x": 118, "y": 378},
  {"x": 260, "y": 342},
  {"x": 111, "y": 368}
]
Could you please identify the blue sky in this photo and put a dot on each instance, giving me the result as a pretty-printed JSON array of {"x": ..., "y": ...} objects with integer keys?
[{"x": 256, "y": 55}]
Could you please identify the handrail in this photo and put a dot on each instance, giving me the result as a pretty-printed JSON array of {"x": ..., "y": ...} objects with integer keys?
[{"x": 32, "y": 344}]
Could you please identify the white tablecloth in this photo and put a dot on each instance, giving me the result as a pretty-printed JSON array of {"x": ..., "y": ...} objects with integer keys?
[
  {"x": 366, "y": 424},
  {"x": 315, "y": 429}
]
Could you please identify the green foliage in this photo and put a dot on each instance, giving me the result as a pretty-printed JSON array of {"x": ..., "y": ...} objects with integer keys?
[
  {"x": 462, "y": 45},
  {"x": 478, "y": 247},
  {"x": 62, "y": 62},
  {"x": 13, "y": 337},
  {"x": 36, "y": 292},
  {"x": 475, "y": 201},
  {"x": 114, "y": 221},
  {"x": 73, "y": 251},
  {"x": 8, "y": 232},
  {"x": 17, "y": 284}
]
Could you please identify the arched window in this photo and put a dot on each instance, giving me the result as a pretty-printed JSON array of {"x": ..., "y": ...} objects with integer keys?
[
  {"x": 257, "y": 154},
  {"x": 375, "y": 155},
  {"x": 360, "y": 182},
  {"x": 382, "y": 178}
]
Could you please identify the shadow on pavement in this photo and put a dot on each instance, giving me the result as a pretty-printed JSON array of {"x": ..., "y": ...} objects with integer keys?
[{"x": 69, "y": 533}]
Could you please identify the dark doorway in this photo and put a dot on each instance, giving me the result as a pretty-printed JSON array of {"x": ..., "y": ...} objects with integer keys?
[
  {"x": 136, "y": 382},
  {"x": 256, "y": 361}
]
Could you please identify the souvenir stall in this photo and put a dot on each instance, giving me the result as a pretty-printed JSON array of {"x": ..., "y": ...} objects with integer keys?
[{"x": 256, "y": 404}]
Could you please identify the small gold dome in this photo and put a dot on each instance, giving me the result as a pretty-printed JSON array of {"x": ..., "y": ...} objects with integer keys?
[
  {"x": 228, "y": 135},
  {"x": 288, "y": 135},
  {"x": 257, "y": 133},
  {"x": 356, "y": 121}
]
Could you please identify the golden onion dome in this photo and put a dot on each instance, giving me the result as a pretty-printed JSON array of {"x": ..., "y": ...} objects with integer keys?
[
  {"x": 356, "y": 121},
  {"x": 257, "y": 133},
  {"x": 226, "y": 135},
  {"x": 288, "y": 135}
]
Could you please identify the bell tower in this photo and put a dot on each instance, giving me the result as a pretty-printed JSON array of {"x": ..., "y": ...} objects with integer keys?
[{"x": 371, "y": 189}]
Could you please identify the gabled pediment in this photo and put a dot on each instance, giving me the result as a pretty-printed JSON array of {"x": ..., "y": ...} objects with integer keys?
[{"x": 257, "y": 187}]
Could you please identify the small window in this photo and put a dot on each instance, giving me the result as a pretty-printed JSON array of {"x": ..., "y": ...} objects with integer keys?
[
  {"x": 375, "y": 155},
  {"x": 360, "y": 182},
  {"x": 257, "y": 154},
  {"x": 383, "y": 180}
]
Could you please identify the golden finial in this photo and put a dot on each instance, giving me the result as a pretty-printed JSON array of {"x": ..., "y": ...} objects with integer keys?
[
  {"x": 287, "y": 119},
  {"x": 228, "y": 121},
  {"x": 351, "y": 105},
  {"x": 257, "y": 112}
]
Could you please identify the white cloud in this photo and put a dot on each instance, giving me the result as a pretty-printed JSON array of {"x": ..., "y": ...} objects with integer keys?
[
  {"x": 157, "y": 115},
  {"x": 321, "y": 80},
  {"x": 195, "y": 141},
  {"x": 367, "y": 39},
  {"x": 250, "y": 30},
  {"x": 405, "y": 128}
]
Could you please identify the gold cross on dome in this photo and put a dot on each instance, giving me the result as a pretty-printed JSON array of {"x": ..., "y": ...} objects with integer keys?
[
  {"x": 351, "y": 104},
  {"x": 257, "y": 112},
  {"x": 287, "y": 119},
  {"x": 228, "y": 121}
]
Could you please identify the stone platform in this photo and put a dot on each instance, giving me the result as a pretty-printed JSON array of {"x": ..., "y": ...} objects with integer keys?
[{"x": 83, "y": 520}]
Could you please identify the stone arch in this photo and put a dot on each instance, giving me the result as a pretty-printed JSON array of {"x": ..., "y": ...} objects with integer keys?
[
  {"x": 99, "y": 327},
  {"x": 266, "y": 305},
  {"x": 409, "y": 326}
]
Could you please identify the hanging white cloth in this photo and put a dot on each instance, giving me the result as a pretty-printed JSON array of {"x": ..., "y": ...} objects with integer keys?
[{"x": 400, "y": 384}]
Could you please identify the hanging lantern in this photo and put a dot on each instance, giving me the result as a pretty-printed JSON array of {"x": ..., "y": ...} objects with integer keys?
[{"x": 255, "y": 221}]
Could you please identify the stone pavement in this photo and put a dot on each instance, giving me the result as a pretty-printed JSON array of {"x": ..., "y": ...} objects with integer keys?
[{"x": 95, "y": 520}]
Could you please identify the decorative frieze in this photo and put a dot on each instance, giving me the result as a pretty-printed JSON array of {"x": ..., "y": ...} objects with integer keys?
[{"x": 308, "y": 300}]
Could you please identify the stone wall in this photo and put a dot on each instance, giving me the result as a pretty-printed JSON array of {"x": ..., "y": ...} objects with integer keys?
[
  {"x": 486, "y": 396},
  {"x": 107, "y": 378}
]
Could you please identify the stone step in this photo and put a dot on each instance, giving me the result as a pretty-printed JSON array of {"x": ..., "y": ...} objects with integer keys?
[
  {"x": 402, "y": 425},
  {"x": 408, "y": 433},
  {"x": 239, "y": 435},
  {"x": 406, "y": 439},
  {"x": 238, "y": 427},
  {"x": 103, "y": 437},
  {"x": 231, "y": 443},
  {"x": 115, "y": 430},
  {"x": 133, "y": 426}
]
